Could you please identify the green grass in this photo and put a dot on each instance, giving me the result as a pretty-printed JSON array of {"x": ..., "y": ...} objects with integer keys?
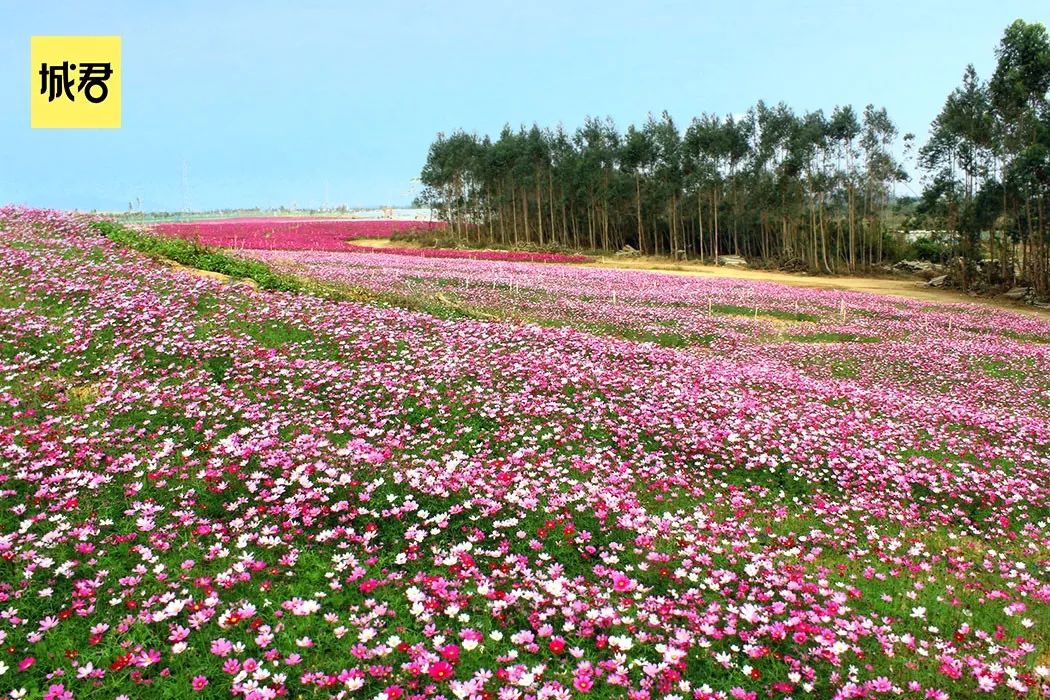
[
  {"x": 1000, "y": 370},
  {"x": 1027, "y": 337},
  {"x": 733, "y": 310},
  {"x": 275, "y": 333},
  {"x": 201, "y": 257},
  {"x": 667, "y": 339}
]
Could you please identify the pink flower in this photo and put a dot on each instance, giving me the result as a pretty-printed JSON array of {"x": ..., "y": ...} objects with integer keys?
[
  {"x": 58, "y": 692},
  {"x": 221, "y": 647},
  {"x": 882, "y": 685},
  {"x": 440, "y": 671},
  {"x": 199, "y": 683}
]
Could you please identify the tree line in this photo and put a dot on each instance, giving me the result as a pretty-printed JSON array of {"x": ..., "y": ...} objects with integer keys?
[
  {"x": 810, "y": 190},
  {"x": 988, "y": 165},
  {"x": 768, "y": 184}
]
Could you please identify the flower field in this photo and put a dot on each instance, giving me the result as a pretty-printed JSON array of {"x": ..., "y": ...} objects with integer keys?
[
  {"x": 333, "y": 235},
  {"x": 574, "y": 482},
  {"x": 468, "y": 254},
  {"x": 286, "y": 233}
]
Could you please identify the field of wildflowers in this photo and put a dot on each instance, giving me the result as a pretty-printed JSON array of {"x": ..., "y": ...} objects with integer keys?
[
  {"x": 286, "y": 233},
  {"x": 469, "y": 254},
  {"x": 627, "y": 485},
  {"x": 256, "y": 233}
]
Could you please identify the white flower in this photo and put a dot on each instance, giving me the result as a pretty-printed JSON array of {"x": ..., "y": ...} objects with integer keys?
[{"x": 749, "y": 612}]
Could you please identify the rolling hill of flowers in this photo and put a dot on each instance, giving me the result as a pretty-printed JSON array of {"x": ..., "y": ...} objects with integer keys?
[{"x": 568, "y": 483}]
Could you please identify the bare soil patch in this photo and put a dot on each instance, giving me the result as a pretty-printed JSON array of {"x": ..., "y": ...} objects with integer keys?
[
  {"x": 908, "y": 289},
  {"x": 905, "y": 288},
  {"x": 382, "y": 243}
]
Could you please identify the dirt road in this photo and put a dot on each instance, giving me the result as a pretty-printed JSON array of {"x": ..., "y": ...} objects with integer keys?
[{"x": 899, "y": 287}]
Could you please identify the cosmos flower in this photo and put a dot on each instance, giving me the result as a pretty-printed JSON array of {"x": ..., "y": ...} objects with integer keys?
[{"x": 617, "y": 481}]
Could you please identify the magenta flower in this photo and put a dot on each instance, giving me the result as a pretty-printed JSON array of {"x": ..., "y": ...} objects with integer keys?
[{"x": 440, "y": 670}]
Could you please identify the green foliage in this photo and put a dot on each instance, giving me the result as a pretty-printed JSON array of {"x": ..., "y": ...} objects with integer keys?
[
  {"x": 927, "y": 248},
  {"x": 988, "y": 160},
  {"x": 199, "y": 257},
  {"x": 734, "y": 310},
  {"x": 762, "y": 185},
  {"x": 194, "y": 255}
]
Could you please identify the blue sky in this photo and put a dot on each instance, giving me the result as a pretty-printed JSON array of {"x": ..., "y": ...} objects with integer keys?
[{"x": 267, "y": 104}]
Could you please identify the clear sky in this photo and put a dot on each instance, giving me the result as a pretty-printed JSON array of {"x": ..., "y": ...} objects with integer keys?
[{"x": 241, "y": 104}]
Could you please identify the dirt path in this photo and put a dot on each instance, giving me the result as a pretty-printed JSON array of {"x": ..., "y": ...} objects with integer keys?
[
  {"x": 906, "y": 288},
  {"x": 911, "y": 289},
  {"x": 381, "y": 243},
  {"x": 211, "y": 275}
]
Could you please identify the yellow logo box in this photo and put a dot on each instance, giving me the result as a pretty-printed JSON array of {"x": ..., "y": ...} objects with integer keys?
[{"x": 74, "y": 82}]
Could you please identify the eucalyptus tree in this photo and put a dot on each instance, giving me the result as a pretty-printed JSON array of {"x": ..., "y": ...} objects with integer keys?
[
  {"x": 560, "y": 175},
  {"x": 806, "y": 145},
  {"x": 638, "y": 158},
  {"x": 763, "y": 184},
  {"x": 598, "y": 143},
  {"x": 959, "y": 151},
  {"x": 705, "y": 147},
  {"x": 1018, "y": 91},
  {"x": 735, "y": 150},
  {"x": 667, "y": 175},
  {"x": 988, "y": 161},
  {"x": 881, "y": 172},
  {"x": 700, "y": 171},
  {"x": 450, "y": 172},
  {"x": 843, "y": 130},
  {"x": 774, "y": 127}
]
